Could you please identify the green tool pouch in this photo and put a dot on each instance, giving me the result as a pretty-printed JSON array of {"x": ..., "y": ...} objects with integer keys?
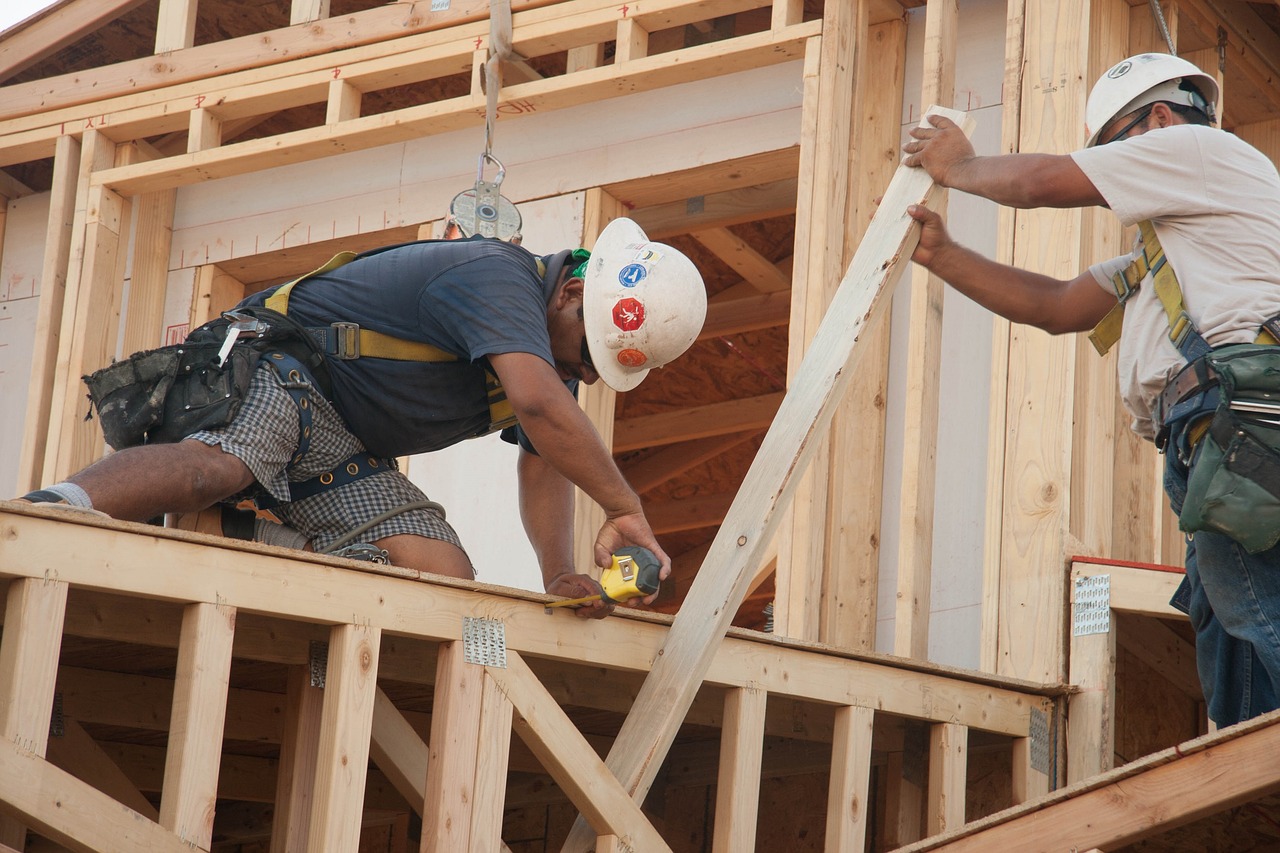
[
  {"x": 1234, "y": 484},
  {"x": 162, "y": 395}
]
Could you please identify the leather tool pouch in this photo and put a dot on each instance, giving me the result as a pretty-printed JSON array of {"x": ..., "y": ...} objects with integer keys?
[
  {"x": 162, "y": 395},
  {"x": 1234, "y": 484}
]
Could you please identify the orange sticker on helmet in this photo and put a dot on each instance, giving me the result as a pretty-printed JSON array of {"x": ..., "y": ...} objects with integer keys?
[{"x": 632, "y": 358}]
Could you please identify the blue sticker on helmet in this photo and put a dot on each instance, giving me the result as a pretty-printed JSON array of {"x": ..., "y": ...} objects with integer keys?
[{"x": 632, "y": 274}]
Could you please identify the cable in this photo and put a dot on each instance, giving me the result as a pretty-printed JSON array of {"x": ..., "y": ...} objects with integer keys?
[
  {"x": 378, "y": 519},
  {"x": 1158, "y": 13}
]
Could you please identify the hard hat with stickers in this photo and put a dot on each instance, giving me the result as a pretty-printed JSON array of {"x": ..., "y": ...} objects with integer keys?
[{"x": 643, "y": 303}]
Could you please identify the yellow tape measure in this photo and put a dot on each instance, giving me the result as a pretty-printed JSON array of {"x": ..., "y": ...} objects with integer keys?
[{"x": 632, "y": 574}]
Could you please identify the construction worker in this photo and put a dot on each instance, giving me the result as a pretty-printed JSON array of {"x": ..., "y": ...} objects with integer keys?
[
  {"x": 1154, "y": 157},
  {"x": 485, "y": 336}
]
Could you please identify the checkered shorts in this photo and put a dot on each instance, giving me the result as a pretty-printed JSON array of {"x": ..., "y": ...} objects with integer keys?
[{"x": 264, "y": 435}]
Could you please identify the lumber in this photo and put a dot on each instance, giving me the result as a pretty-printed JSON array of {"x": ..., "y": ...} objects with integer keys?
[
  {"x": 398, "y": 751},
  {"x": 769, "y": 484},
  {"x": 492, "y": 760},
  {"x": 296, "y": 768},
  {"x": 693, "y": 422},
  {"x": 346, "y": 725},
  {"x": 45, "y": 34},
  {"x": 76, "y": 752},
  {"x": 738, "y": 784},
  {"x": 948, "y": 760},
  {"x": 455, "y": 742},
  {"x": 70, "y": 812},
  {"x": 848, "y": 804},
  {"x": 1144, "y": 591},
  {"x": 175, "y": 25},
  {"x": 671, "y": 462},
  {"x": 570, "y": 760},
  {"x": 754, "y": 268}
]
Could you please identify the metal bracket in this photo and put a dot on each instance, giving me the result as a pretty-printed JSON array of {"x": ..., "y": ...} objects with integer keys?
[
  {"x": 57, "y": 728},
  {"x": 1091, "y": 613},
  {"x": 484, "y": 642},
  {"x": 439, "y": 5},
  {"x": 318, "y": 662},
  {"x": 1038, "y": 731}
]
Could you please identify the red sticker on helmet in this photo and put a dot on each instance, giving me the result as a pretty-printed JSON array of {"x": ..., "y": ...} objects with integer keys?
[
  {"x": 632, "y": 358},
  {"x": 628, "y": 314}
]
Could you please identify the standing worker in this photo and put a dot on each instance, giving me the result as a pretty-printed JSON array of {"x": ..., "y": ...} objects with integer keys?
[
  {"x": 1198, "y": 294},
  {"x": 417, "y": 347}
]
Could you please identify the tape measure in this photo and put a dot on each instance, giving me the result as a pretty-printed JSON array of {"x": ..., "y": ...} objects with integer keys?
[{"x": 632, "y": 574}]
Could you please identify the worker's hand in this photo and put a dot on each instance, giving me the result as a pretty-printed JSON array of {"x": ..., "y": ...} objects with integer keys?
[
  {"x": 630, "y": 529},
  {"x": 933, "y": 235},
  {"x": 570, "y": 585},
  {"x": 940, "y": 150}
]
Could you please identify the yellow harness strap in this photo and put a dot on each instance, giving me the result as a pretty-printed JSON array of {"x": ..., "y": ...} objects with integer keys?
[
  {"x": 371, "y": 344},
  {"x": 1168, "y": 291}
]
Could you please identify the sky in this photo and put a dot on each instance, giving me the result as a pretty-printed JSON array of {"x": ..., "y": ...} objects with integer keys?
[{"x": 12, "y": 11}]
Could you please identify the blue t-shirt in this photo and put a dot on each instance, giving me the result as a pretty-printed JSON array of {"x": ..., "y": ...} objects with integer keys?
[{"x": 472, "y": 298}]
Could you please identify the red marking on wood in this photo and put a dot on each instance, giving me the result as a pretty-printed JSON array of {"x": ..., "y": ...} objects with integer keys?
[
  {"x": 623, "y": 10},
  {"x": 337, "y": 72},
  {"x": 200, "y": 100}
]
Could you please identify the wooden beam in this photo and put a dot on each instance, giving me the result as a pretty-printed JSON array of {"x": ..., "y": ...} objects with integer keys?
[
  {"x": 76, "y": 752},
  {"x": 745, "y": 314},
  {"x": 848, "y": 806},
  {"x": 699, "y": 182},
  {"x": 948, "y": 761},
  {"x": 543, "y": 726},
  {"x": 718, "y": 210},
  {"x": 45, "y": 34},
  {"x": 398, "y": 751},
  {"x": 769, "y": 484},
  {"x": 347, "y": 721},
  {"x": 671, "y": 516},
  {"x": 492, "y": 760},
  {"x": 455, "y": 744},
  {"x": 195, "y": 727},
  {"x": 149, "y": 279},
  {"x": 671, "y": 462},
  {"x": 713, "y": 419},
  {"x": 34, "y": 613},
  {"x": 760, "y": 272},
  {"x": 72, "y": 813},
  {"x": 1138, "y": 801},
  {"x": 299, "y": 751},
  {"x": 1133, "y": 588},
  {"x": 922, "y": 385},
  {"x": 738, "y": 784}
]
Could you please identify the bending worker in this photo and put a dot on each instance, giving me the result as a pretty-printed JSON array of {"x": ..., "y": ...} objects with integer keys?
[
  {"x": 1211, "y": 202},
  {"x": 512, "y": 336}
]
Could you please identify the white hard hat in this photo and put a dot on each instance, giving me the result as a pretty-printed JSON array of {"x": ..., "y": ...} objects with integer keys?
[
  {"x": 1144, "y": 79},
  {"x": 643, "y": 303}
]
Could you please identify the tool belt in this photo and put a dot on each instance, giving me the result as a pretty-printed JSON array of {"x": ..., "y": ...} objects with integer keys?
[
  {"x": 1233, "y": 487},
  {"x": 162, "y": 395}
]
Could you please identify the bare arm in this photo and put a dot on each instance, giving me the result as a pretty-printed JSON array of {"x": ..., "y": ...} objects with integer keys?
[
  {"x": 569, "y": 445},
  {"x": 1014, "y": 180},
  {"x": 1047, "y": 303}
]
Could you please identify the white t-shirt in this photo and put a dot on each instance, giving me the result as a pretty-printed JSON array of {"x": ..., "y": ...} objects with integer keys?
[{"x": 1215, "y": 203}]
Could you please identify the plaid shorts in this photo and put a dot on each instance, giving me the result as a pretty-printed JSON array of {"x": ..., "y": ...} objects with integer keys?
[{"x": 264, "y": 435}]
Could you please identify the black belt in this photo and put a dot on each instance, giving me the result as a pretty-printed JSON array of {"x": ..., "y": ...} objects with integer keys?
[{"x": 1196, "y": 377}]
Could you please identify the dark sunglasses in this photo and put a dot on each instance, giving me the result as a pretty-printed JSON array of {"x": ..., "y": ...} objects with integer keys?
[
  {"x": 1142, "y": 116},
  {"x": 586, "y": 355}
]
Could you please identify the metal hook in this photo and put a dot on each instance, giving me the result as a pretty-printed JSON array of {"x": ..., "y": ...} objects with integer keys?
[{"x": 486, "y": 157}]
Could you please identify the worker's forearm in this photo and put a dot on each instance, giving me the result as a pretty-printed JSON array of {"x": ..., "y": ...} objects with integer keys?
[
  {"x": 566, "y": 439},
  {"x": 546, "y": 509},
  {"x": 1017, "y": 295},
  {"x": 1024, "y": 180}
]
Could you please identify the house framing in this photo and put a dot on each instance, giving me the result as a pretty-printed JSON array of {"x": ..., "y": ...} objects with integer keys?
[{"x": 163, "y": 689}]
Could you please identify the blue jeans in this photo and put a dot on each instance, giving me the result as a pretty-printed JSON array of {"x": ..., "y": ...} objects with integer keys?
[{"x": 1233, "y": 599}]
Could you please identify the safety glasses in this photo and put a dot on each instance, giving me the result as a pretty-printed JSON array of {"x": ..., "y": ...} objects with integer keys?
[{"x": 1124, "y": 131}]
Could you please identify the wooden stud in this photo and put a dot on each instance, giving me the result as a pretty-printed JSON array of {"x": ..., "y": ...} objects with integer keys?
[
  {"x": 584, "y": 57},
  {"x": 204, "y": 131},
  {"x": 570, "y": 760},
  {"x": 1091, "y": 709},
  {"x": 175, "y": 25},
  {"x": 922, "y": 386},
  {"x": 347, "y": 721},
  {"x": 905, "y": 798},
  {"x": 53, "y": 295},
  {"x": 786, "y": 13},
  {"x": 492, "y": 760},
  {"x": 306, "y": 11},
  {"x": 451, "y": 766},
  {"x": 195, "y": 727},
  {"x": 948, "y": 760},
  {"x": 738, "y": 785},
  {"x": 34, "y": 613},
  {"x": 1029, "y": 783},
  {"x": 848, "y": 799},
  {"x": 769, "y": 485},
  {"x": 632, "y": 41},
  {"x": 213, "y": 291},
  {"x": 344, "y": 102},
  {"x": 150, "y": 275},
  {"x": 667, "y": 464},
  {"x": 398, "y": 751},
  {"x": 296, "y": 774}
]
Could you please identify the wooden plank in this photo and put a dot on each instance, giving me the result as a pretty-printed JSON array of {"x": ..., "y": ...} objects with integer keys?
[
  {"x": 699, "y": 182},
  {"x": 454, "y": 747},
  {"x": 598, "y": 401},
  {"x": 213, "y": 291},
  {"x": 72, "y": 813},
  {"x": 693, "y": 422},
  {"x": 570, "y": 760},
  {"x": 398, "y": 751},
  {"x": 922, "y": 386},
  {"x": 754, "y": 268},
  {"x": 150, "y": 273},
  {"x": 1135, "y": 590},
  {"x": 195, "y": 727},
  {"x": 848, "y": 799},
  {"x": 1162, "y": 649},
  {"x": 80, "y": 755},
  {"x": 34, "y": 612},
  {"x": 491, "y": 768},
  {"x": 745, "y": 314},
  {"x": 344, "y": 102},
  {"x": 738, "y": 783},
  {"x": 1029, "y": 783},
  {"x": 948, "y": 761},
  {"x": 306, "y": 11},
  {"x": 1092, "y": 708},
  {"x": 48, "y": 33},
  {"x": 296, "y": 774},
  {"x": 775, "y": 198},
  {"x": 1137, "y": 801},
  {"x": 632, "y": 41},
  {"x": 175, "y": 25},
  {"x": 204, "y": 130},
  {"x": 652, "y": 471},
  {"x": 767, "y": 488},
  {"x": 858, "y": 431},
  {"x": 347, "y": 721}
]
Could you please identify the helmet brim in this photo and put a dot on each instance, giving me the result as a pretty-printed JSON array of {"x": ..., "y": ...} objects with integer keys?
[{"x": 616, "y": 236}]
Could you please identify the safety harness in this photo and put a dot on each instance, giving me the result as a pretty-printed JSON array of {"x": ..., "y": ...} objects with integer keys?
[{"x": 348, "y": 341}]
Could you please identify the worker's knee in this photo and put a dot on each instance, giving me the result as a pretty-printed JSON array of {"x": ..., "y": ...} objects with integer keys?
[
  {"x": 427, "y": 555},
  {"x": 207, "y": 473}
]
